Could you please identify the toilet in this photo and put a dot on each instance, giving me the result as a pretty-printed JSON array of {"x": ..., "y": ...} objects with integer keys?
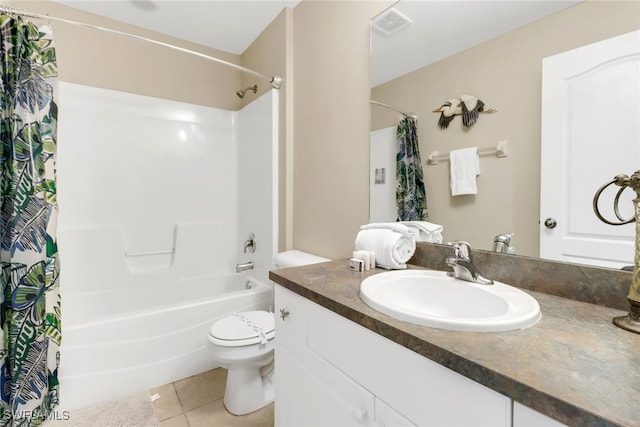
[{"x": 243, "y": 344}]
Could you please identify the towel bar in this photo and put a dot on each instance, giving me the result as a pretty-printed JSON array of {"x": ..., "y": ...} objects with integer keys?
[{"x": 500, "y": 150}]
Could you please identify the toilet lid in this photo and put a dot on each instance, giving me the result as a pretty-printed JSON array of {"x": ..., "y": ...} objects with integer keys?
[{"x": 244, "y": 328}]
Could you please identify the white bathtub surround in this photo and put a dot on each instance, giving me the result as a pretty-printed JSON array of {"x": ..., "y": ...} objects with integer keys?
[
  {"x": 150, "y": 231},
  {"x": 257, "y": 133}
]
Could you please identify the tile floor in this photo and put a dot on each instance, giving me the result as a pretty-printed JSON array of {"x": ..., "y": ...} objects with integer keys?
[{"x": 197, "y": 402}]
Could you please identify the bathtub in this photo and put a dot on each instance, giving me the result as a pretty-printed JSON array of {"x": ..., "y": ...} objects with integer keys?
[{"x": 110, "y": 356}]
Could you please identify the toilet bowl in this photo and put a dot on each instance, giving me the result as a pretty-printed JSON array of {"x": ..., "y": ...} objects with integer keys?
[{"x": 243, "y": 344}]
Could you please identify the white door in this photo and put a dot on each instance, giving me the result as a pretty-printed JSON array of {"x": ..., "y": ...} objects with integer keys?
[{"x": 590, "y": 134}]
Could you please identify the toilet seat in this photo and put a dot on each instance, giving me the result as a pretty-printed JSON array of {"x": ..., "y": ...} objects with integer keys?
[{"x": 243, "y": 329}]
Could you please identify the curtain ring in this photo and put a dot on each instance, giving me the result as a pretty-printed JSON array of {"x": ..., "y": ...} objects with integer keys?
[{"x": 623, "y": 182}]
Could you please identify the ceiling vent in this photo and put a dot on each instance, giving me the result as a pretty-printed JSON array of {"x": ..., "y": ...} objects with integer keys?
[{"x": 390, "y": 22}]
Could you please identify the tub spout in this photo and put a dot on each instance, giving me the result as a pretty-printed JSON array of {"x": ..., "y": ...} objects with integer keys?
[{"x": 244, "y": 266}]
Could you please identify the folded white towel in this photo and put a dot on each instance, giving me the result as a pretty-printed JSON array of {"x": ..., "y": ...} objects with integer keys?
[
  {"x": 398, "y": 227},
  {"x": 393, "y": 244},
  {"x": 465, "y": 167},
  {"x": 426, "y": 231}
]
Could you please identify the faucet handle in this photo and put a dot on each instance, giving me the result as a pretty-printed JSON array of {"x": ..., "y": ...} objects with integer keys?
[
  {"x": 461, "y": 249},
  {"x": 250, "y": 244}
]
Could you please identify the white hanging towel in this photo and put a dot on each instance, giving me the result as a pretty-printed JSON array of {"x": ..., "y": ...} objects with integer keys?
[
  {"x": 426, "y": 231},
  {"x": 393, "y": 243},
  {"x": 465, "y": 167}
]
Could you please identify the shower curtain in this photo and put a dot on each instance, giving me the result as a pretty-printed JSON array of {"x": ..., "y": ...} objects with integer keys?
[
  {"x": 29, "y": 271},
  {"x": 411, "y": 198}
]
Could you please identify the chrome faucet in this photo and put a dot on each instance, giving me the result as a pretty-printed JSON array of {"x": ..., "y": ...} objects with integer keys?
[
  {"x": 244, "y": 266},
  {"x": 463, "y": 267},
  {"x": 250, "y": 244},
  {"x": 502, "y": 243}
]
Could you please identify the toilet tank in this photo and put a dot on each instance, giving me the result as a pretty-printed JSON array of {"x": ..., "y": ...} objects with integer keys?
[{"x": 296, "y": 258}]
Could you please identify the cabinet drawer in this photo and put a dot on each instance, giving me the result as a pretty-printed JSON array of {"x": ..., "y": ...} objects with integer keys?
[
  {"x": 312, "y": 392},
  {"x": 291, "y": 312},
  {"x": 425, "y": 392}
]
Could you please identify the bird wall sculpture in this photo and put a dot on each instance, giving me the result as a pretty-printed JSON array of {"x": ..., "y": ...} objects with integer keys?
[{"x": 467, "y": 106}]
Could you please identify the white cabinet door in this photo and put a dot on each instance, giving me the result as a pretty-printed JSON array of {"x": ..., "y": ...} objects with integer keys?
[
  {"x": 311, "y": 392},
  {"x": 386, "y": 416},
  {"x": 524, "y": 416},
  {"x": 590, "y": 133},
  {"x": 291, "y": 313}
]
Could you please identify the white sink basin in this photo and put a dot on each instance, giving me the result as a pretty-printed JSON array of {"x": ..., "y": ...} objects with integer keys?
[{"x": 431, "y": 298}]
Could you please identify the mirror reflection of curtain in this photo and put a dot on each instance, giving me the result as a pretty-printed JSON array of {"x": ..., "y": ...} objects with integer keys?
[
  {"x": 30, "y": 311},
  {"x": 411, "y": 197}
]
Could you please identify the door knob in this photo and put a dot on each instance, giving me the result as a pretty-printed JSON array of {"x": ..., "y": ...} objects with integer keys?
[{"x": 550, "y": 223}]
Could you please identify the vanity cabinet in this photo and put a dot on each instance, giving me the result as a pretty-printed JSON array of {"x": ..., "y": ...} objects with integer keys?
[
  {"x": 309, "y": 390},
  {"x": 524, "y": 416},
  {"x": 331, "y": 371}
]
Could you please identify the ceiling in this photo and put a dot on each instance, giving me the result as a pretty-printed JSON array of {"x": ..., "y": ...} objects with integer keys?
[
  {"x": 440, "y": 27},
  {"x": 443, "y": 28},
  {"x": 227, "y": 25}
]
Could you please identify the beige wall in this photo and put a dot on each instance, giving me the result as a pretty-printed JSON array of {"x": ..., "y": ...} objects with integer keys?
[
  {"x": 96, "y": 58},
  {"x": 331, "y": 124},
  {"x": 506, "y": 74}
]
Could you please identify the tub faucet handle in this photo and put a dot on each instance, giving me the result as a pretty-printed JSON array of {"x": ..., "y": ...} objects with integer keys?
[{"x": 250, "y": 244}]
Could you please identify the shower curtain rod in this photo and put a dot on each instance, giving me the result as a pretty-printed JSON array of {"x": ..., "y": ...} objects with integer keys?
[
  {"x": 275, "y": 80},
  {"x": 392, "y": 108}
]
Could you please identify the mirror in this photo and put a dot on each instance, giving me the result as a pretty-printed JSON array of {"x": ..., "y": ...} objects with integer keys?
[{"x": 492, "y": 50}]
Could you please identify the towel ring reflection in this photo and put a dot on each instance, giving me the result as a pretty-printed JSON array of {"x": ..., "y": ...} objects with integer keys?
[{"x": 623, "y": 182}]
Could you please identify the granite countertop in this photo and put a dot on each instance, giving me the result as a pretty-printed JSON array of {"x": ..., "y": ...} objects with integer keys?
[{"x": 574, "y": 365}]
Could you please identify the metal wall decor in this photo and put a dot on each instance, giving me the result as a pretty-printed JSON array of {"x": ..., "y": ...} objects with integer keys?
[
  {"x": 630, "y": 322},
  {"x": 467, "y": 106}
]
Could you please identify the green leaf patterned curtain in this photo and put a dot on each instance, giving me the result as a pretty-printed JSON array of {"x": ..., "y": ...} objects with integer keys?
[
  {"x": 29, "y": 270},
  {"x": 411, "y": 197}
]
